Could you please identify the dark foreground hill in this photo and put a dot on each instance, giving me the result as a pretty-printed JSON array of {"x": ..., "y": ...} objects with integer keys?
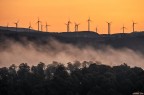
[{"x": 86, "y": 78}]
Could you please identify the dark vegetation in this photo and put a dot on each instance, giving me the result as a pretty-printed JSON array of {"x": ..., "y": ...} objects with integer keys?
[{"x": 86, "y": 78}]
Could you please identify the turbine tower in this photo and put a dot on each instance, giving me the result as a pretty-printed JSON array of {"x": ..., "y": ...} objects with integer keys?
[
  {"x": 47, "y": 27},
  {"x": 89, "y": 20},
  {"x": 96, "y": 29},
  {"x": 123, "y": 28},
  {"x": 38, "y": 22},
  {"x": 134, "y": 26},
  {"x": 41, "y": 27},
  {"x": 109, "y": 27},
  {"x": 76, "y": 27},
  {"x": 16, "y": 23},
  {"x": 29, "y": 27},
  {"x": 68, "y": 26}
]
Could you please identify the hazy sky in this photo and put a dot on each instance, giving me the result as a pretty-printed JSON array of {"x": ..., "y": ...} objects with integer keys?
[{"x": 58, "y": 12}]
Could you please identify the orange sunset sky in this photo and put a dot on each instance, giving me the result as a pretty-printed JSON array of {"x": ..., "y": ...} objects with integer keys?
[{"x": 57, "y": 12}]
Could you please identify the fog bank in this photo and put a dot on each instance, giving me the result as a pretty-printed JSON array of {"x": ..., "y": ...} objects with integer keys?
[{"x": 17, "y": 53}]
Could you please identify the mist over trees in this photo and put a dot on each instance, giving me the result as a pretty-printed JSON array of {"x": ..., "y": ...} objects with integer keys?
[{"x": 77, "y": 78}]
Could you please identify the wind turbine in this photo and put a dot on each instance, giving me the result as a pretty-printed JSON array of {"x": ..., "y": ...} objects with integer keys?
[
  {"x": 16, "y": 23},
  {"x": 38, "y": 22},
  {"x": 68, "y": 26},
  {"x": 89, "y": 20},
  {"x": 41, "y": 27},
  {"x": 47, "y": 27},
  {"x": 123, "y": 28},
  {"x": 29, "y": 27},
  {"x": 76, "y": 27},
  {"x": 96, "y": 29},
  {"x": 133, "y": 24},
  {"x": 109, "y": 27}
]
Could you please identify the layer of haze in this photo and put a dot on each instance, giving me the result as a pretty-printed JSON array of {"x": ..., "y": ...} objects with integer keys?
[
  {"x": 16, "y": 53},
  {"x": 58, "y": 12}
]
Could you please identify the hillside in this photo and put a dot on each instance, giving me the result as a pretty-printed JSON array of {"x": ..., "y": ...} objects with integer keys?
[{"x": 133, "y": 41}]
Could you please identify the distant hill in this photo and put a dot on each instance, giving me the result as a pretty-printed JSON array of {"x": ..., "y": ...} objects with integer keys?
[
  {"x": 133, "y": 41},
  {"x": 13, "y": 29}
]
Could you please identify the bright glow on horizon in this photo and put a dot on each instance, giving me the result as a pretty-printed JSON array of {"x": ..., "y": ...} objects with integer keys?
[{"x": 57, "y": 12}]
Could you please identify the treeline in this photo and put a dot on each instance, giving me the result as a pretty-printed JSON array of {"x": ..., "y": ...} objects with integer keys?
[{"x": 86, "y": 78}]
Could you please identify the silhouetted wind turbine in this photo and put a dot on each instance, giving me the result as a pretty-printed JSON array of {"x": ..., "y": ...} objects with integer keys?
[
  {"x": 38, "y": 22},
  {"x": 134, "y": 26},
  {"x": 109, "y": 27},
  {"x": 76, "y": 27},
  {"x": 123, "y": 28},
  {"x": 47, "y": 27},
  {"x": 68, "y": 26},
  {"x": 96, "y": 29},
  {"x": 89, "y": 20},
  {"x": 41, "y": 27},
  {"x": 16, "y": 23},
  {"x": 29, "y": 26}
]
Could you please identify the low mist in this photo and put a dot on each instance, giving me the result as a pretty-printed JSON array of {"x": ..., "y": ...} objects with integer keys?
[{"x": 17, "y": 53}]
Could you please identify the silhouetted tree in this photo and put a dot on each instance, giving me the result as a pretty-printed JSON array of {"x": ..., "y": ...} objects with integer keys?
[
  {"x": 23, "y": 71},
  {"x": 39, "y": 70}
]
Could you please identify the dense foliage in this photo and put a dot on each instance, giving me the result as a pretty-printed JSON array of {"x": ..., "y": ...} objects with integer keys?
[{"x": 86, "y": 78}]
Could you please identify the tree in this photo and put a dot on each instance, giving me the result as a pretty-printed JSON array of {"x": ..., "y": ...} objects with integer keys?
[
  {"x": 39, "y": 70},
  {"x": 61, "y": 71},
  {"x": 23, "y": 71}
]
